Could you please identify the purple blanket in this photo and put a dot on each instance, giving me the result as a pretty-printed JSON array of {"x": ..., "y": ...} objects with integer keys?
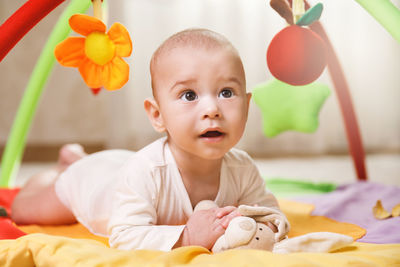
[{"x": 353, "y": 203}]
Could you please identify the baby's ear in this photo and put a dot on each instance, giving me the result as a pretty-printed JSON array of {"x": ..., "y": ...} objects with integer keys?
[
  {"x": 153, "y": 112},
  {"x": 248, "y": 95}
]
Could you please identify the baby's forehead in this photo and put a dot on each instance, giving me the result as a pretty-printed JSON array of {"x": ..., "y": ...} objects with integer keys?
[{"x": 191, "y": 39}]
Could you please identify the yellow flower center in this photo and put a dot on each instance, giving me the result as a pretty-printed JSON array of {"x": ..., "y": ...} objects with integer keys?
[{"x": 99, "y": 48}]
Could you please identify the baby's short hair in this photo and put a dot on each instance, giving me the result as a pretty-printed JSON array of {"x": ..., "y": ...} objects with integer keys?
[{"x": 195, "y": 37}]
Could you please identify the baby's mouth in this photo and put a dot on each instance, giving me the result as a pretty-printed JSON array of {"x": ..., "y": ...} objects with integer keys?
[{"x": 211, "y": 134}]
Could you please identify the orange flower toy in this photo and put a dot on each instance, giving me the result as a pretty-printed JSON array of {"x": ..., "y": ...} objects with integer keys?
[{"x": 97, "y": 55}]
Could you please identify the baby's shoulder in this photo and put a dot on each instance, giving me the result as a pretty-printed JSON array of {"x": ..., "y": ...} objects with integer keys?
[{"x": 149, "y": 157}]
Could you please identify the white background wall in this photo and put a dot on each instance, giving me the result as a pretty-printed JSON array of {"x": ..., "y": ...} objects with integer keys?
[{"x": 68, "y": 112}]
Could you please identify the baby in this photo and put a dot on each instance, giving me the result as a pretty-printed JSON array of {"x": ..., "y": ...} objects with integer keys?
[{"x": 146, "y": 199}]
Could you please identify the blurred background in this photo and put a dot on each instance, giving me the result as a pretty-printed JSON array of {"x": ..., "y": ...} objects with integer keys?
[{"x": 69, "y": 113}]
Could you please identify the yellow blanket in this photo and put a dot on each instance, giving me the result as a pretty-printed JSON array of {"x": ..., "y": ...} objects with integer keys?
[
  {"x": 47, "y": 250},
  {"x": 298, "y": 214},
  {"x": 50, "y": 250}
]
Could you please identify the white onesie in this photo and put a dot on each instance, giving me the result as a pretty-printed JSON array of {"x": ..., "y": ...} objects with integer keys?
[{"x": 138, "y": 199}]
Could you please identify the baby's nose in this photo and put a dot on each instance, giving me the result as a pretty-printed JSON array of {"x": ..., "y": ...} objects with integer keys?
[{"x": 211, "y": 109}]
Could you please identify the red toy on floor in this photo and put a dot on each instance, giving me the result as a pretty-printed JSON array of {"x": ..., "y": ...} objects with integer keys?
[{"x": 8, "y": 230}]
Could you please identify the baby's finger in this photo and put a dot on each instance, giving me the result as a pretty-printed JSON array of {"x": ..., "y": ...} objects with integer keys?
[
  {"x": 219, "y": 230},
  {"x": 221, "y": 212},
  {"x": 227, "y": 219}
]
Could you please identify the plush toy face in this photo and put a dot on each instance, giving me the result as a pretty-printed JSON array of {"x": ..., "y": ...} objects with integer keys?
[
  {"x": 245, "y": 233},
  {"x": 263, "y": 238}
]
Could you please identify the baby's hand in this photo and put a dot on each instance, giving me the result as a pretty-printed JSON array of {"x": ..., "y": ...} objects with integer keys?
[{"x": 204, "y": 227}]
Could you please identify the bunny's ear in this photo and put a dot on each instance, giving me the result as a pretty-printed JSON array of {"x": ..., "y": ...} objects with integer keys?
[
  {"x": 313, "y": 242},
  {"x": 205, "y": 205},
  {"x": 265, "y": 215},
  {"x": 251, "y": 211},
  {"x": 240, "y": 231},
  {"x": 220, "y": 245}
]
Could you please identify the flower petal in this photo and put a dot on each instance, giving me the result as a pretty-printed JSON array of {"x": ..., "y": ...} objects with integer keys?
[
  {"x": 120, "y": 37},
  {"x": 91, "y": 73},
  {"x": 71, "y": 51},
  {"x": 396, "y": 211},
  {"x": 115, "y": 74},
  {"x": 379, "y": 211},
  {"x": 84, "y": 24}
]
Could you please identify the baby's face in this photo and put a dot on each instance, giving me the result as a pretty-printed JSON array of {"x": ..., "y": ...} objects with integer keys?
[{"x": 202, "y": 98}]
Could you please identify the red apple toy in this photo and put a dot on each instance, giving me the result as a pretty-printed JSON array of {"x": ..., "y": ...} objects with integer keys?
[{"x": 296, "y": 55}]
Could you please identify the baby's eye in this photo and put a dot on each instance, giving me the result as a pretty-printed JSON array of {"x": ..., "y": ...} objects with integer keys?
[
  {"x": 189, "y": 96},
  {"x": 226, "y": 93}
]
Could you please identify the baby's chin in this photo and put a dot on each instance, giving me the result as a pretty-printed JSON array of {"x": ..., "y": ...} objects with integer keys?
[
  {"x": 204, "y": 150},
  {"x": 213, "y": 153}
]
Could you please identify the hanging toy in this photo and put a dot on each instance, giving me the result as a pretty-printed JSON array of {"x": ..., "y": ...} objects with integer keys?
[
  {"x": 297, "y": 55},
  {"x": 97, "y": 55},
  {"x": 291, "y": 101},
  {"x": 283, "y": 9}
]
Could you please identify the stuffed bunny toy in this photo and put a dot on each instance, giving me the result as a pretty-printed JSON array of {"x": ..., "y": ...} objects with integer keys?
[
  {"x": 244, "y": 232},
  {"x": 250, "y": 231},
  {"x": 247, "y": 231}
]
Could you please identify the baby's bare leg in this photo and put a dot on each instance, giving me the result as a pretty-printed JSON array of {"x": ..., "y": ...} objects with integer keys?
[{"x": 37, "y": 202}]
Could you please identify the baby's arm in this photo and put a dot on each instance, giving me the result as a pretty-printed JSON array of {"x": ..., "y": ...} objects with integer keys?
[
  {"x": 133, "y": 226},
  {"x": 254, "y": 193},
  {"x": 204, "y": 227},
  {"x": 134, "y": 223}
]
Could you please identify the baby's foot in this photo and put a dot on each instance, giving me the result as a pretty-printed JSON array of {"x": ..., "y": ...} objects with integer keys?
[{"x": 68, "y": 154}]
